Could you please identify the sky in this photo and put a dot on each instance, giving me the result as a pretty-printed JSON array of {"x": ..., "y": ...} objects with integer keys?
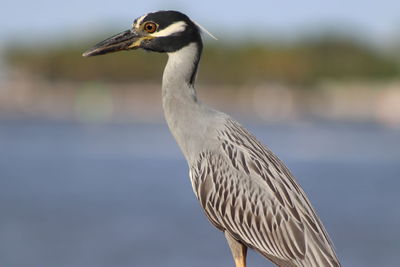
[{"x": 48, "y": 20}]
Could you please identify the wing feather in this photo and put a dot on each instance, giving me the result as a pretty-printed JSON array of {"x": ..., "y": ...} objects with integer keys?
[{"x": 246, "y": 190}]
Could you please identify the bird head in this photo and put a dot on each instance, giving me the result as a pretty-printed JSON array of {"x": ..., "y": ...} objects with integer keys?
[{"x": 162, "y": 31}]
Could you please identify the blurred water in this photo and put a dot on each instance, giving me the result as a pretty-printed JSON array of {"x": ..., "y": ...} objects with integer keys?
[{"x": 119, "y": 194}]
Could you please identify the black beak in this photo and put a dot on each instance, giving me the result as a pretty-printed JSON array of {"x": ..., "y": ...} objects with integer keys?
[{"x": 126, "y": 40}]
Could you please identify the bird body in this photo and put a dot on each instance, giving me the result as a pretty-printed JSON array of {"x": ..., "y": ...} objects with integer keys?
[{"x": 244, "y": 189}]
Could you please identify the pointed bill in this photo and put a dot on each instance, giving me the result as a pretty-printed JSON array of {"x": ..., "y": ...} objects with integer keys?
[{"x": 126, "y": 40}]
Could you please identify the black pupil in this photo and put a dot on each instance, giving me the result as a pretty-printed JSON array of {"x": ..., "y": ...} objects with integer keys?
[{"x": 149, "y": 27}]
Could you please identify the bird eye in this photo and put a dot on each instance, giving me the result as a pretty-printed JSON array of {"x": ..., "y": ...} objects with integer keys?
[{"x": 150, "y": 27}]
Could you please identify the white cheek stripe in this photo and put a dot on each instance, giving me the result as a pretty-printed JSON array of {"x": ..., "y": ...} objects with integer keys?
[{"x": 176, "y": 27}]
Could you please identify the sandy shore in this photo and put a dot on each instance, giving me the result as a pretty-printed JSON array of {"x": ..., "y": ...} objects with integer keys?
[{"x": 95, "y": 101}]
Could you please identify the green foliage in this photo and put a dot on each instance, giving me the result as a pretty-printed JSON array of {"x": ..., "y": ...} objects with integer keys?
[
  {"x": 68, "y": 64},
  {"x": 301, "y": 63}
]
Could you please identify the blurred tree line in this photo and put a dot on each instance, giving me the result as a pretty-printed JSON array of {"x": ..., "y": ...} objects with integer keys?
[{"x": 301, "y": 63}]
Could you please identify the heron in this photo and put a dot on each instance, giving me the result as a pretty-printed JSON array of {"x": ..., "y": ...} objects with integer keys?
[{"x": 245, "y": 190}]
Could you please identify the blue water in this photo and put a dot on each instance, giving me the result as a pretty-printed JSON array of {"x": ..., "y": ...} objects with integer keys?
[{"x": 118, "y": 195}]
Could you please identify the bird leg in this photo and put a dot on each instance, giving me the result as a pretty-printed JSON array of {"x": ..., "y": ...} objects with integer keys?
[{"x": 239, "y": 251}]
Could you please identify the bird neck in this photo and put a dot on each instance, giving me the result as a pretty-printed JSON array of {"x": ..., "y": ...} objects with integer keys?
[
  {"x": 181, "y": 108},
  {"x": 180, "y": 72}
]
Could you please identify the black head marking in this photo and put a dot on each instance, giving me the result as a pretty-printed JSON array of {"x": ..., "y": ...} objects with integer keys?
[
  {"x": 166, "y": 18},
  {"x": 173, "y": 42}
]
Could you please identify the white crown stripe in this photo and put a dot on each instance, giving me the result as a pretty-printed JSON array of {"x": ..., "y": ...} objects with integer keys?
[
  {"x": 176, "y": 27},
  {"x": 139, "y": 21}
]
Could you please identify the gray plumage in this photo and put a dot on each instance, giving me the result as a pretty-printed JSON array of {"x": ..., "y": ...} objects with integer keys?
[
  {"x": 242, "y": 186},
  {"x": 244, "y": 189}
]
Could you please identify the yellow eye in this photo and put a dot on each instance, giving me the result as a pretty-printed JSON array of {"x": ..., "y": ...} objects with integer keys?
[{"x": 150, "y": 27}]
